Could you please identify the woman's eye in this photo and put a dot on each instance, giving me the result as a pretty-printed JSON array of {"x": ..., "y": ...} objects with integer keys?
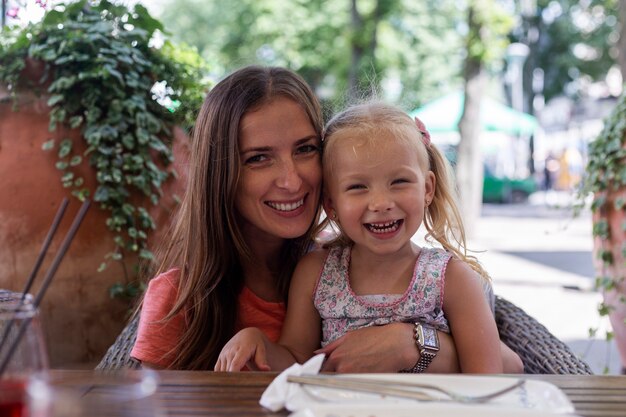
[
  {"x": 306, "y": 149},
  {"x": 255, "y": 159}
]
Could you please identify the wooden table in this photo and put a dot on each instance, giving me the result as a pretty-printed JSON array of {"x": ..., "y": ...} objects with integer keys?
[{"x": 188, "y": 393}]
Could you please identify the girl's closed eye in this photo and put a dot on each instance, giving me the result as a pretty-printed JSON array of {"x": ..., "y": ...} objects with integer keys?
[
  {"x": 400, "y": 181},
  {"x": 355, "y": 187}
]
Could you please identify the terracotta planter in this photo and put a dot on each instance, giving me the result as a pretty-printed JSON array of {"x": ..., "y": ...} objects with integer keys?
[
  {"x": 616, "y": 243},
  {"x": 79, "y": 317}
]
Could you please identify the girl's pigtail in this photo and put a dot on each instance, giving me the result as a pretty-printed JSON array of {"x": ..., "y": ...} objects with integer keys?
[{"x": 442, "y": 218}]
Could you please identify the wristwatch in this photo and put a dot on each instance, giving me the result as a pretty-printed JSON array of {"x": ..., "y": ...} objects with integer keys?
[{"x": 427, "y": 342}]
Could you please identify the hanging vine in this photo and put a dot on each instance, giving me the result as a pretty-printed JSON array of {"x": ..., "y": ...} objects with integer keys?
[{"x": 103, "y": 76}]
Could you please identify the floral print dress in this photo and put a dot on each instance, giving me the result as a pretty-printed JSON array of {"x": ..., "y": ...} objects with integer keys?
[{"x": 342, "y": 310}]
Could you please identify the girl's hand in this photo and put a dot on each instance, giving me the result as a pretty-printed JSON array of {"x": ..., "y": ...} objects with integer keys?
[
  {"x": 388, "y": 348},
  {"x": 247, "y": 347}
]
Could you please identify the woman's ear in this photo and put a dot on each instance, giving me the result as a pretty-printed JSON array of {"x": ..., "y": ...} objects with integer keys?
[{"x": 430, "y": 184}]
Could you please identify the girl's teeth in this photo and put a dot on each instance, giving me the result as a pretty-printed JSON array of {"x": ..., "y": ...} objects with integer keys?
[
  {"x": 286, "y": 206},
  {"x": 387, "y": 227}
]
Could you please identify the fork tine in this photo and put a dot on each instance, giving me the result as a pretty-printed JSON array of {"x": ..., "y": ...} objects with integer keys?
[
  {"x": 369, "y": 387},
  {"x": 376, "y": 386}
]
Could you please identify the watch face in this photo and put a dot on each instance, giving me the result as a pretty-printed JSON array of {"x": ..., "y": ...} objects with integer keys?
[{"x": 429, "y": 337}]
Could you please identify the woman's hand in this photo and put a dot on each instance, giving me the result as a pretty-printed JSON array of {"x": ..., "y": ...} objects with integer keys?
[
  {"x": 388, "y": 348},
  {"x": 247, "y": 347}
]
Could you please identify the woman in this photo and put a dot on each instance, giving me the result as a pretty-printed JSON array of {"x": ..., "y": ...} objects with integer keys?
[{"x": 247, "y": 217}]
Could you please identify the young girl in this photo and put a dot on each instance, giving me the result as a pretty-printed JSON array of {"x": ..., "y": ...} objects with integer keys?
[{"x": 383, "y": 179}]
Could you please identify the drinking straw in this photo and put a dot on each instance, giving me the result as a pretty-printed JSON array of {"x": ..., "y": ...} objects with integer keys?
[
  {"x": 46, "y": 281},
  {"x": 31, "y": 278},
  {"x": 44, "y": 247}
]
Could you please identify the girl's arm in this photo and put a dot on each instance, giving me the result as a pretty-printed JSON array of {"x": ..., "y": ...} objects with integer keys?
[
  {"x": 250, "y": 347},
  {"x": 471, "y": 321},
  {"x": 302, "y": 330}
]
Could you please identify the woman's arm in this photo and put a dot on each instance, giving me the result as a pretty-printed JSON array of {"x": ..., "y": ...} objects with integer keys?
[
  {"x": 157, "y": 338},
  {"x": 388, "y": 348},
  {"x": 471, "y": 321}
]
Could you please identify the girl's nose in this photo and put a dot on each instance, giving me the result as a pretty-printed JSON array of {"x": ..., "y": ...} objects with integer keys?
[
  {"x": 289, "y": 177},
  {"x": 381, "y": 201}
]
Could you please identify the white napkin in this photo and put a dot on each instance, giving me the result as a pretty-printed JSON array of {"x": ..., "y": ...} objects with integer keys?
[{"x": 279, "y": 391}]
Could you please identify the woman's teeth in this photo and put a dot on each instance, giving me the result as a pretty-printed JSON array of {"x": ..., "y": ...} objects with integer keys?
[{"x": 285, "y": 206}]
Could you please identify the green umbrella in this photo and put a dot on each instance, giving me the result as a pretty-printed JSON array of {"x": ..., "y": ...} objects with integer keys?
[{"x": 443, "y": 115}]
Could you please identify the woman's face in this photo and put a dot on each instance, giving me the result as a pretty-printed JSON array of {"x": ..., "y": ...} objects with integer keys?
[{"x": 281, "y": 173}]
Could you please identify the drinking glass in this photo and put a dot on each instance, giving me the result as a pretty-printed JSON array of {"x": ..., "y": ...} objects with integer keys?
[
  {"x": 22, "y": 351},
  {"x": 120, "y": 393}
]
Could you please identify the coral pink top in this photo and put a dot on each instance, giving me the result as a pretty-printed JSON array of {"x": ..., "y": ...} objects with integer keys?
[{"x": 156, "y": 340}]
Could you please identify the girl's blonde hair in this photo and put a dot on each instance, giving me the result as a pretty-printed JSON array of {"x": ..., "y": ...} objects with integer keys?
[{"x": 374, "y": 122}]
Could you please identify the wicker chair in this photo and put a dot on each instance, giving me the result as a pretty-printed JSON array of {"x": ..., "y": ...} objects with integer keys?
[
  {"x": 118, "y": 355},
  {"x": 540, "y": 351}
]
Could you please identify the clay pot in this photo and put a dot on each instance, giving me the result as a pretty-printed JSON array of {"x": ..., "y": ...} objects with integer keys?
[
  {"x": 616, "y": 243},
  {"x": 79, "y": 318}
]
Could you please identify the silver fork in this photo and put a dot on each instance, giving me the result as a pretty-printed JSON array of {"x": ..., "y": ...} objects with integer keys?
[{"x": 386, "y": 387}]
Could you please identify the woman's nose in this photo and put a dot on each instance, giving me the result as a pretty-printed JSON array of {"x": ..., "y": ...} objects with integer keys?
[{"x": 289, "y": 177}]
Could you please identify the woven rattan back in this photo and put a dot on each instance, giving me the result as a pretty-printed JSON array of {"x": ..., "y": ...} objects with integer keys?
[{"x": 540, "y": 351}]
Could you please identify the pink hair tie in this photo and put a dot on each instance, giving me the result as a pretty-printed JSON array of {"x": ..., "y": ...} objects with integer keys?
[{"x": 423, "y": 131}]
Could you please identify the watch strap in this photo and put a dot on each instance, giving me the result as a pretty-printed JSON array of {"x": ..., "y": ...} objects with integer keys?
[{"x": 427, "y": 354}]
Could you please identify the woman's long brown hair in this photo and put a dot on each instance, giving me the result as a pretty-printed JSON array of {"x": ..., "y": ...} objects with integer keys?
[{"x": 205, "y": 240}]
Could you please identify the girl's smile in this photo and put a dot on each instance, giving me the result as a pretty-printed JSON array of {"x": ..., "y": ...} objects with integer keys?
[{"x": 384, "y": 230}]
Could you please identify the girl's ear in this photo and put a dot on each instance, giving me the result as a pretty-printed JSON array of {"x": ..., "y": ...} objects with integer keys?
[
  {"x": 429, "y": 187},
  {"x": 329, "y": 208}
]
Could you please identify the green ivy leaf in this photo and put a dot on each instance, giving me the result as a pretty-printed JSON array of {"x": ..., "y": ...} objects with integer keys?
[
  {"x": 48, "y": 145},
  {"x": 76, "y": 160},
  {"x": 601, "y": 229},
  {"x": 65, "y": 148},
  {"x": 76, "y": 121},
  {"x": 102, "y": 194},
  {"x": 54, "y": 99}
]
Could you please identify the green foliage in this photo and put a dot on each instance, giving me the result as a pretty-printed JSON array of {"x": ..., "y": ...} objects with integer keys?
[
  {"x": 606, "y": 173},
  {"x": 487, "y": 37},
  {"x": 575, "y": 39},
  {"x": 605, "y": 169},
  {"x": 418, "y": 43},
  {"x": 103, "y": 76}
]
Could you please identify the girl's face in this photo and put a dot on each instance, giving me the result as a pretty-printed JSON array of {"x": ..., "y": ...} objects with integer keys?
[
  {"x": 378, "y": 192},
  {"x": 281, "y": 173}
]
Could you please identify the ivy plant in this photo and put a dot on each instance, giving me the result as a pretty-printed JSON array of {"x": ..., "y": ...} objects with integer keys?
[
  {"x": 605, "y": 178},
  {"x": 104, "y": 76}
]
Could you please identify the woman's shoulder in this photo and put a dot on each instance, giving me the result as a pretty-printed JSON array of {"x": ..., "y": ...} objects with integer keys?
[
  {"x": 162, "y": 291},
  {"x": 165, "y": 281}
]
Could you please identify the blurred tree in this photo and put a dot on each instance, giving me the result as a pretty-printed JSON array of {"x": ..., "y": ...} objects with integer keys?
[
  {"x": 622, "y": 38},
  {"x": 569, "y": 40},
  {"x": 337, "y": 47},
  {"x": 488, "y": 26}
]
